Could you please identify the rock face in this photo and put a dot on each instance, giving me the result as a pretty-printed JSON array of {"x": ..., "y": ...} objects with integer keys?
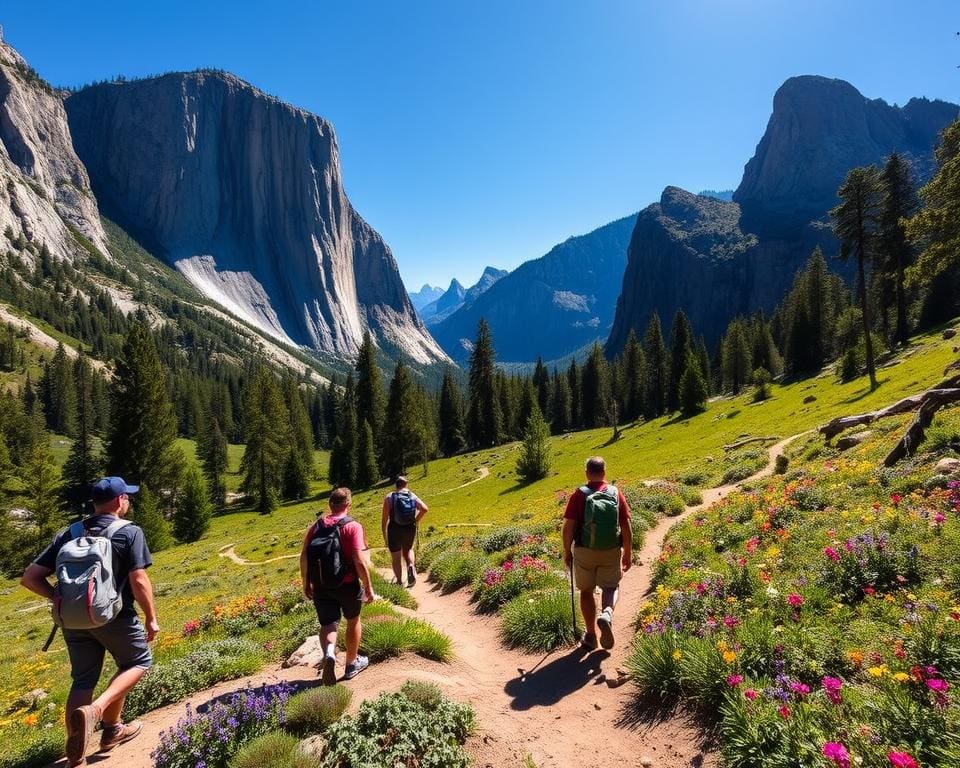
[
  {"x": 551, "y": 306},
  {"x": 44, "y": 187},
  {"x": 717, "y": 259},
  {"x": 819, "y": 129},
  {"x": 243, "y": 194},
  {"x": 457, "y": 297}
]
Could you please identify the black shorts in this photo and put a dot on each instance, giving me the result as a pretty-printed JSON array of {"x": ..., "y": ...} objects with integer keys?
[
  {"x": 400, "y": 537},
  {"x": 346, "y": 601},
  {"x": 123, "y": 637}
]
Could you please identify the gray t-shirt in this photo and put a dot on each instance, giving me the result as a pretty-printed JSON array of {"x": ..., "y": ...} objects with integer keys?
[{"x": 130, "y": 552}]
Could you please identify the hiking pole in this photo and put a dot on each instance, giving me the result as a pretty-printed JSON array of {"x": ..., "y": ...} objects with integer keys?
[{"x": 53, "y": 633}]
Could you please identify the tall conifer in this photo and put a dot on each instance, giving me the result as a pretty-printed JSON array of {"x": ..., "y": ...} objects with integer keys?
[{"x": 485, "y": 426}]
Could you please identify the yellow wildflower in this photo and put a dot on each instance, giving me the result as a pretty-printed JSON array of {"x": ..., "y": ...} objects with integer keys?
[
  {"x": 677, "y": 655},
  {"x": 878, "y": 671},
  {"x": 729, "y": 657},
  {"x": 901, "y": 677}
]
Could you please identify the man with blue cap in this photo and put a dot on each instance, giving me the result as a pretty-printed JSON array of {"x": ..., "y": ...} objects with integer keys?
[{"x": 107, "y": 627}]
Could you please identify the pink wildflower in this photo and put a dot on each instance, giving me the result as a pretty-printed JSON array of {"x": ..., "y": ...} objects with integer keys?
[
  {"x": 831, "y": 553},
  {"x": 837, "y": 753},
  {"x": 901, "y": 760},
  {"x": 734, "y": 680},
  {"x": 831, "y": 687},
  {"x": 800, "y": 689},
  {"x": 750, "y": 694},
  {"x": 795, "y": 600}
]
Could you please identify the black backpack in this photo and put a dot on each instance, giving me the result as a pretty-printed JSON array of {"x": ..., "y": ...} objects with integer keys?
[
  {"x": 404, "y": 508},
  {"x": 327, "y": 565}
]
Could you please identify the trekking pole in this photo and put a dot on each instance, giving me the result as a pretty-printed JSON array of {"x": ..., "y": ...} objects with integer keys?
[
  {"x": 573, "y": 610},
  {"x": 53, "y": 633}
]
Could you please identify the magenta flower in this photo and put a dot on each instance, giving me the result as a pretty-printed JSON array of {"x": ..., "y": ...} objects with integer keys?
[
  {"x": 734, "y": 680},
  {"x": 901, "y": 760},
  {"x": 837, "y": 754},
  {"x": 750, "y": 694},
  {"x": 800, "y": 689},
  {"x": 795, "y": 600},
  {"x": 831, "y": 553},
  {"x": 937, "y": 685},
  {"x": 831, "y": 687}
]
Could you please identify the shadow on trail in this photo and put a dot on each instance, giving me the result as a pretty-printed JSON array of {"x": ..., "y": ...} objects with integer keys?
[
  {"x": 642, "y": 714},
  {"x": 546, "y": 685}
]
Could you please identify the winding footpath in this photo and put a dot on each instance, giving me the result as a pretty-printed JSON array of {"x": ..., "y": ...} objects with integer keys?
[{"x": 555, "y": 708}]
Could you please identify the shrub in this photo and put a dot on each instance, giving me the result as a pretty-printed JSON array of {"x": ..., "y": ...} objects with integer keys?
[
  {"x": 273, "y": 750},
  {"x": 534, "y": 460},
  {"x": 781, "y": 464},
  {"x": 35, "y": 750},
  {"x": 868, "y": 563},
  {"x": 396, "y": 729},
  {"x": 498, "y": 586},
  {"x": 654, "y": 664},
  {"x": 422, "y": 693},
  {"x": 312, "y": 711},
  {"x": 539, "y": 621},
  {"x": 457, "y": 568},
  {"x": 395, "y": 593},
  {"x": 662, "y": 499},
  {"x": 172, "y": 681},
  {"x": 393, "y": 635},
  {"x": 433, "y": 548},
  {"x": 500, "y": 539},
  {"x": 761, "y": 385},
  {"x": 940, "y": 435},
  {"x": 218, "y": 732}
]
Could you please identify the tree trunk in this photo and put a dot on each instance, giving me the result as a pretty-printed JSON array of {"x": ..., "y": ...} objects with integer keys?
[
  {"x": 871, "y": 370},
  {"x": 902, "y": 331}
]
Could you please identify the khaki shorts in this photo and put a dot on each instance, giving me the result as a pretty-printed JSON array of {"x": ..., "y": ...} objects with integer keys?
[{"x": 594, "y": 568}]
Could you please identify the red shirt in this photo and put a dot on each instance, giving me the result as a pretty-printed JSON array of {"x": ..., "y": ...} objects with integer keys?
[
  {"x": 577, "y": 502},
  {"x": 353, "y": 539}
]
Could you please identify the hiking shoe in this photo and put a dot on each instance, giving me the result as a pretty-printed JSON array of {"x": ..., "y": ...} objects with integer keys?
[
  {"x": 82, "y": 722},
  {"x": 328, "y": 670},
  {"x": 356, "y": 668},
  {"x": 605, "y": 623},
  {"x": 411, "y": 576},
  {"x": 121, "y": 733},
  {"x": 589, "y": 641}
]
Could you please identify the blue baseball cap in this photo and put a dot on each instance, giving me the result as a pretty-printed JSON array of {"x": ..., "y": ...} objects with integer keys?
[{"x": 110, "y": 488}]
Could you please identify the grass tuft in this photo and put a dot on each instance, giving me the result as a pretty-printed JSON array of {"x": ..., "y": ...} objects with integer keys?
[
  {"x": 395, "y": 593},
  {"x": 273, "y": 750},
  {"x": 457, "y": 568},
  {"x": 312, "y": 711},
  {"x": 539, "y": 621}
]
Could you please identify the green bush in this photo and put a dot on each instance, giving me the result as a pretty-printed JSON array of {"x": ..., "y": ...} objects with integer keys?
[
  {"x": 396, "y": 729},
  {"x": 662, "y": 499},
  {"x": 782, "y": 462},
  {"x": 431, "y": 549},
  {"x": 939, "y": 436},
  {"x": 457, "y": 568},
  {"x": 500, "y": 539},
  {"x": 654, "y": 664},
  {"x": 297, "y": 634},
  {"x": 312, "y": 711},
  {"x": 393, "y": 635},
  {"x": 497, "y": 586},
  {"x": 273, "y": 750},
  {"x": 427, "y": 695},
  {"x": 174, "y": 680},
  {"x": 395, "y": 593},
  {"x": 539, "y": 621}
]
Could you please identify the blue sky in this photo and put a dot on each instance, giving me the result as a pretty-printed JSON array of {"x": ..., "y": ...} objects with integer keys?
[{"x": 486, "y": 132}]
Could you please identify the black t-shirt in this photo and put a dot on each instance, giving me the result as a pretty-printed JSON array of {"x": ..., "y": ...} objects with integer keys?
[{"x": 130, "y": 552}]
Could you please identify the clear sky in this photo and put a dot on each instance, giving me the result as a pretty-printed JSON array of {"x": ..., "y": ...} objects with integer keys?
[{"x": 486, "y": 132}]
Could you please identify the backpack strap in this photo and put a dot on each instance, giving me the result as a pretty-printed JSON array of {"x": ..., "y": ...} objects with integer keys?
[
  {"x": 586, "y": 490},
  {"x": 115, "y": 526},
  {"x": 76, "y": 530}
]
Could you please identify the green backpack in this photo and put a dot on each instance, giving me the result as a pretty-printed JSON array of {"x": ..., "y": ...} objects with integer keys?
[{"x": 601, "y": 518}]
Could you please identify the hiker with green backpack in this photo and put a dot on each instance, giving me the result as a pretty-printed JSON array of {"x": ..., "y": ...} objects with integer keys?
[
  {"x": 597, "y": 543},
  {"x": 100, "y": 564}
]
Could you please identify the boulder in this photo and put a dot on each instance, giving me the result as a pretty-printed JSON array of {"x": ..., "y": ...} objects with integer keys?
[
  {"x": 32, "y": 698},
  {"x": 310, "y": 654},
  {"x": 947, "y": 466},
  {"x": 949, "y": 333},
  {"x": 847, "y": 442},
  {"x": 313, "y": 746}
]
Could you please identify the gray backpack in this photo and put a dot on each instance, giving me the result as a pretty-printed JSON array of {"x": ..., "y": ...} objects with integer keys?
[{"x": 87, "y": 595}]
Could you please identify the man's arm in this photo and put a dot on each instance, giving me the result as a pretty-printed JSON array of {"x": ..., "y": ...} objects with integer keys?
[
  {"x": 35, "y": 579},
  {"x": 143, "y": 594},
  {"x": 361, "y": 562},
  {"x": 304, "y": 570},
  {"x": 626, "y": 532},
  {"x": 385, "y": 517},
  {"x": 422, "y": 509},
  {"x": 569, "y": 529}
]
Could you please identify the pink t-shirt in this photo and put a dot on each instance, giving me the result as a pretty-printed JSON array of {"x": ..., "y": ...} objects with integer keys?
[{"x": 353, "y": 539}]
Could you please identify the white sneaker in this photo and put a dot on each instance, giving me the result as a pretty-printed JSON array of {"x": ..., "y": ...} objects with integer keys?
[
  {"x": 328, "y": 670},
  {"x": 605, "y": 624}
]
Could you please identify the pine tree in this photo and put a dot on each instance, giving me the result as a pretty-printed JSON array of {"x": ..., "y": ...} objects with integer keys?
[
  {"x": 541, "y": 382},
  {"x": 575, "y": 382},
  {"x": 597, "y": 394},
  {"x": 296, "y": 477},
  {"x": 141, "y": 443},
  {"x": 214, "y": 458},
  {"x": 703, "y": 358},
  {"x": 83, "y": 465},
  {"x": 900, "y": 202},
  {"x": 267, "y": 427},
  {"x": 634, "y": 378},
  {"x": 654, "y": 398},
  {"x": 367, "y": 472},
  {"x": 681, "y": 347},
  {"x": 301, "y": 434},
  {"x": 737, "y": 364},
  {"x": 343, "y": 456},
  {"x": 403, "y": 442},
  {"x": 149, "y": 517},
  {"x": 484, "y": 418},
  {"x": 561, "y": 403},
  {"x": 452, "y": 426},
  {"x": 855, "y": 224},
  {"x": 371, "y": 398},
  {"x": 693, "y": 387},
  {"x": 534, "y": 461},
  {"x": 936, "y": 230},
  {"x": 192, "y": 517},
  {"x": 58, "y": 394},
  {"x": 44, "y": 500}
]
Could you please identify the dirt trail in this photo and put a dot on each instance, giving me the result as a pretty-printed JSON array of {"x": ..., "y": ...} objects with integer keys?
[
  {"x": 230, "y": 553},
  {"x": 556, "y": 707},
  {"x": 482, "y": 472}
]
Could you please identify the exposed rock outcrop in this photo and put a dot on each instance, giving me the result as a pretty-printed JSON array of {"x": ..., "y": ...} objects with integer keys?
[
  {"x": 243, "y": 194},
  {"x": 551, "y": 306},
  {"x": 44, "y": 187}
]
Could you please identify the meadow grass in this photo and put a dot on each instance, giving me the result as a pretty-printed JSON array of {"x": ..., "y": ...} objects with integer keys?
[{"x": 313, "y": 710}]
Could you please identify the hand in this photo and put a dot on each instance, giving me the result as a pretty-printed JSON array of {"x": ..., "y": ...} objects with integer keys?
[
  {"x": 153, "y": 629},
  {"x": 369, "y": 596},
  {"x": 626, "y": 561},
  {"x": 568, "y": 558},
  {"x": 308, "y": 590}
]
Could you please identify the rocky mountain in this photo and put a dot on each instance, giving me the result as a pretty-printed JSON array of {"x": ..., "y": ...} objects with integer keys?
[
  {"x": 550, "y": 306},
  {"x": 718, "y": 259},
  {"x": 243, "y": 194},
  {"x": 425, "y": 295},
  {"x": 44, "y": 189},
  {"x": 456, "y": 297}
]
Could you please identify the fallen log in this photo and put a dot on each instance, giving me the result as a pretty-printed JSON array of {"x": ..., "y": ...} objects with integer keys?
[
  {"x": 746, "y": 441},
  {"x": 933, "y": 401}
]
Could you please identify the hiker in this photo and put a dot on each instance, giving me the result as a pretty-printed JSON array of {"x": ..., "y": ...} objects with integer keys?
[
  {"x": 597, "y": 545},
  {"x": 402, "y": 513},
  {"x": 100, "y": 563},
  {"x": 335, "y": 572}
]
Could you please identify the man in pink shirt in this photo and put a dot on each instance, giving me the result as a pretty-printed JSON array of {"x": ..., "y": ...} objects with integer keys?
[{"x": 335, "y": 572}]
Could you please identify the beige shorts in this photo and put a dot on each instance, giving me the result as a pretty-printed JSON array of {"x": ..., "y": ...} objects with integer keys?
[{"x": 594, "y": 568}]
